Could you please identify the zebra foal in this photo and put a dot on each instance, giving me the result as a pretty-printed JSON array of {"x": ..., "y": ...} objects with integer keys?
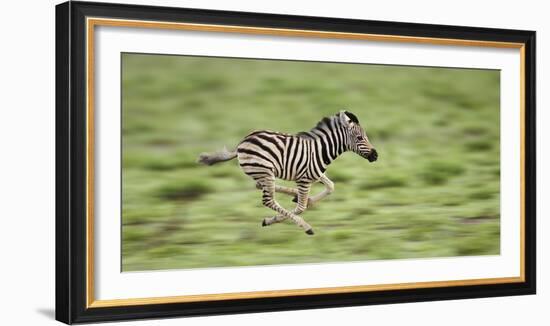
[{"x": 265, "y": 155}]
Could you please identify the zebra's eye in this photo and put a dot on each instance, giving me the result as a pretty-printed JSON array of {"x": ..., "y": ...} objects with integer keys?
[{"x": 359, "y": 138}]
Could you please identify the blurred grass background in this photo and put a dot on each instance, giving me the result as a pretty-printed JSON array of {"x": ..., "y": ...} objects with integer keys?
[{"x": 433, "y": 192}]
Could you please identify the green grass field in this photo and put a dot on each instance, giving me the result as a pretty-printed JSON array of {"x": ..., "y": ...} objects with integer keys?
[{"x": 433, "y": 192}]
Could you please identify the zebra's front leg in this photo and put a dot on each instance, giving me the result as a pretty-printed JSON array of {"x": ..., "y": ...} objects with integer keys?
[
  {"x": 329, "y": 189},
  {"x": 303, "y": 191},
  {"x": 268, "y": 189},
  {"x": 282, "y": 189}
]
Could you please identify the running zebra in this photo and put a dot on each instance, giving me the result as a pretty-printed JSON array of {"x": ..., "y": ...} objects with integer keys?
[{"x": 265, "y": 155}]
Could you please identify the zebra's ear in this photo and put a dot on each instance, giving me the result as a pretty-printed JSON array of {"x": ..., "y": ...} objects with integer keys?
[{"x": 344, "y": 118}]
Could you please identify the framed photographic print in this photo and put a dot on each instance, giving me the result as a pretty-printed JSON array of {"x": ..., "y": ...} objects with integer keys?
[{"x": 214, "y": 162}]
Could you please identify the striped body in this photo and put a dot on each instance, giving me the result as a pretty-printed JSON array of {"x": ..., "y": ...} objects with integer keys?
[{"x": 302, "y": 157}]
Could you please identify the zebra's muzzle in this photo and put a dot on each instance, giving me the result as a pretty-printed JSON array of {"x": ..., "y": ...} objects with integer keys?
[{"x": 373, "y": 155}]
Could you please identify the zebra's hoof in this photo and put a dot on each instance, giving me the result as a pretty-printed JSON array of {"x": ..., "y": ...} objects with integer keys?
[
  {"x": 310, "y": 232},
  {"x": 264, "y": 223}
]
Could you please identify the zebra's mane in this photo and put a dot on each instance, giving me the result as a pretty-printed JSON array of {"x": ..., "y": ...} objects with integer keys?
[{"x": 323, "y": 122}]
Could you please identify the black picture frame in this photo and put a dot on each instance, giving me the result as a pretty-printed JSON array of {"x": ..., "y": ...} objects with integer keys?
[{"x": 71, "y": 158}]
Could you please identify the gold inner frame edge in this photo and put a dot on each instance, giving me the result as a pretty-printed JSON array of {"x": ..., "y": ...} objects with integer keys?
[{"x": 91, "y": 22}]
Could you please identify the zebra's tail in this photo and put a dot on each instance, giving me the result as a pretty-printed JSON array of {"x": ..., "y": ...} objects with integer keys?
[{"x": 216, "y": 157}]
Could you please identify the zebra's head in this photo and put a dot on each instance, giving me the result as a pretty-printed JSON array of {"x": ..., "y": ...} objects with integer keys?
[{"x": 358, "y": 141}]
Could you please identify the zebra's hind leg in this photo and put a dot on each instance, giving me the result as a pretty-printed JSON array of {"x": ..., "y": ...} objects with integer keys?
[
  {"x": 303, "y": 191},
  {"x": 268, "y": 199},
  {"x": 304, "y": 187},
  {"x": 273, "y": 219}
]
